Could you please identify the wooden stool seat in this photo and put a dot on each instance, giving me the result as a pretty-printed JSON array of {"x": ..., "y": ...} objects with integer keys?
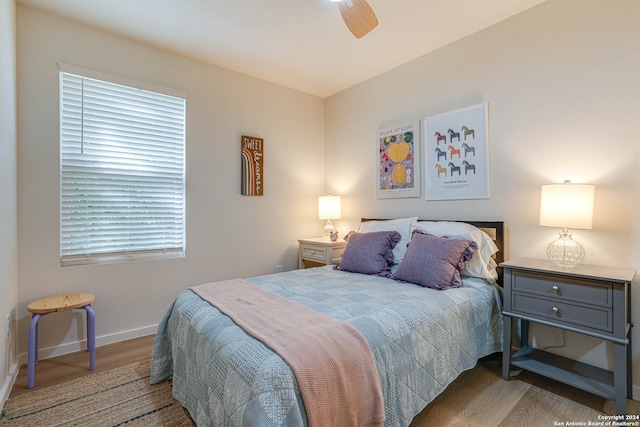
[
  {"x": 62, "y": 302},
  {"x": 56, "y": 304}
]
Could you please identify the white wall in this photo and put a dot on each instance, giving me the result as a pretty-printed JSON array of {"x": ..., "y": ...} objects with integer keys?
[
  {"x": 228, "y": 235},
  {"x": 562, "y": 84},
  {"x": 563, "y": 89},
  {"x": 8, "y": 198}
]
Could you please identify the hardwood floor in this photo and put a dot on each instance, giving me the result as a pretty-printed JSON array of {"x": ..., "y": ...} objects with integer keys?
[{"x": 479, "y": 397}]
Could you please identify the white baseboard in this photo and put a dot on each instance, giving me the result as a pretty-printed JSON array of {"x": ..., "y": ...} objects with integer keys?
[
  {"x": 72, "y": 347},
  {"x": 5, "y": 390}
]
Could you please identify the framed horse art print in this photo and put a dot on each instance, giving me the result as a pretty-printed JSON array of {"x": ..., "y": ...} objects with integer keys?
[{"x": 456, "y": 154}]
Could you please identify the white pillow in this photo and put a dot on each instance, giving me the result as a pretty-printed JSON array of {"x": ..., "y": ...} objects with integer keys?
[
  {"x": 402, "y": 226},
  {"x": 482, "y": 263}
]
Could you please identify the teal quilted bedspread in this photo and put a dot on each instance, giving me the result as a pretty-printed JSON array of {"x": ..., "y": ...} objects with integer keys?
[{"x": 421, "y": 340}]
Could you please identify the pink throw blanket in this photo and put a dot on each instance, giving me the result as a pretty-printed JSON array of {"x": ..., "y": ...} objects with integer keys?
[{"x": 331, "y": 359}]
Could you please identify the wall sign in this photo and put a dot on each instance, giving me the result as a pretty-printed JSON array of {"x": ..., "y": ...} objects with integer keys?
[{"x": 252, "y": 181}]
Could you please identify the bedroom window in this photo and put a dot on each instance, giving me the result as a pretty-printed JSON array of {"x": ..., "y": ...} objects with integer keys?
[{"x": 122, "y": 169}]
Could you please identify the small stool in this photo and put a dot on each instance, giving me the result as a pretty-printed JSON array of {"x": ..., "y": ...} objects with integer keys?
[{"x": 55, "y": 304}]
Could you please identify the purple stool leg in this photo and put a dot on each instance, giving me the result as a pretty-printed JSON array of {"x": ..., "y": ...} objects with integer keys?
[
  {"x": 33, "y": 350},
  {"x": 37, "y": 339},
  {"x": 91, "y": 336}
]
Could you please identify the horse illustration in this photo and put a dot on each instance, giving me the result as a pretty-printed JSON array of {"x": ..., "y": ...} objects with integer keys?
[
  {"x": 468, "y": 149},
  {"x": 440, "y": 137},
  {"x": 453, "y": 150},
  {"x": 454, "y": 168},
  {"x": 441, "y": 170},
  {"x": 441, "y": 154},
  {"x": 468, "y": 166},
  {"x": 468, "y": 131},
  {"x": 452, "y": 135}
]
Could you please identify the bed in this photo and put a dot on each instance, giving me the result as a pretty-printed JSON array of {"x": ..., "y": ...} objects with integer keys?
[{"x": 421, "y": 338}]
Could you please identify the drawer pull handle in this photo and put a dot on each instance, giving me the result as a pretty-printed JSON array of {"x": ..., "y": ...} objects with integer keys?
[
  {"x": 555, "y": 288},
  {"x": 555, "y": 309}
]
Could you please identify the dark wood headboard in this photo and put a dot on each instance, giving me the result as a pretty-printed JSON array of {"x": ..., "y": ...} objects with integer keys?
[{"x": 495, "y": 229}]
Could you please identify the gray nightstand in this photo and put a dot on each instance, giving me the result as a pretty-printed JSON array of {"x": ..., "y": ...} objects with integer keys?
[
  {"x": 590, "y": 300},
  {"x": 320, "y": 251}
]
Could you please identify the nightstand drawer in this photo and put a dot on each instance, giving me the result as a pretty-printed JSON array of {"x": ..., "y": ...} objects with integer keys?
[
  {"x": 314, "y": 253},
  {"x": 559, "y": 312},
  {"x": 321, "y": 251},
  {"x": 564, "y": 288}
]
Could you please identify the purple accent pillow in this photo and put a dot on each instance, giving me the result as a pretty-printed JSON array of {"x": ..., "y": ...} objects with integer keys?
[
  {"x": 435, "y": 262},
  {"x": 369, "y": 253}
]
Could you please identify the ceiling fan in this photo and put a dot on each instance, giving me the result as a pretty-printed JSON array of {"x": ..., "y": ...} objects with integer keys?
[{"x": 358, "y": 16}]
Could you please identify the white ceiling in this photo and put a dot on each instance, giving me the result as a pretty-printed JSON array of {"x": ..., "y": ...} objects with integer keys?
[{"x": 301, "y": 44}]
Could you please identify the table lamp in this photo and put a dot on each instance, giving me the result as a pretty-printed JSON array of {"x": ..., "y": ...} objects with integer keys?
[
  {"x": 566, "y": 206},
  {"x": 329, "y": 208}
]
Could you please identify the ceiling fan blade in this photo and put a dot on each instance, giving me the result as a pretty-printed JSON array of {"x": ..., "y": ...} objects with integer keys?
[{"x": 359, "y": 17}]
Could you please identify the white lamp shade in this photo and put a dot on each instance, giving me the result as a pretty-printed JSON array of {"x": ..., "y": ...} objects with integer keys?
[
  {"x": 567, "y": 205},
  {"x": 329, "y": 207}
]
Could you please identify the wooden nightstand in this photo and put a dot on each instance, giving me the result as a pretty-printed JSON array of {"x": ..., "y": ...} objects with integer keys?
[
  {"x": 587, "y": 299},
  {"x": 320, "y": 251}
]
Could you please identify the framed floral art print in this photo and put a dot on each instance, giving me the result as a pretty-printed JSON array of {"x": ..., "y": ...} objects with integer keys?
[{"x": 398, "y": 149}]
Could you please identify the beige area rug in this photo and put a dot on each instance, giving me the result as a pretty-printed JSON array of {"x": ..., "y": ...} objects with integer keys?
[{"x": 117, "y": 397}]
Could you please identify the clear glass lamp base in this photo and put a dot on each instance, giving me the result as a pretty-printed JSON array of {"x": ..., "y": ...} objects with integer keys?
[
  {"x": 565, "y": 251},
  {"x": 328, "y": 228}
]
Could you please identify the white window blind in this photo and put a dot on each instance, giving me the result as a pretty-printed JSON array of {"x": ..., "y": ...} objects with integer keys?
[{"x": 122, "y": 171}]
